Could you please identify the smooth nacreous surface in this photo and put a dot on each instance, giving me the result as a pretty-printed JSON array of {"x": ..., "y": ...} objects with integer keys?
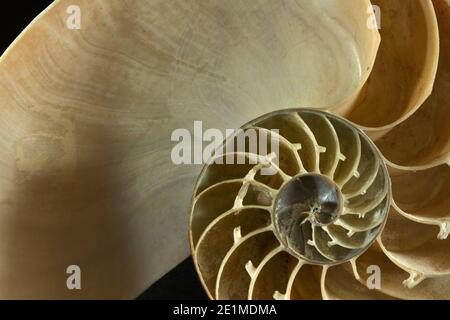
[{"x": 88, "y": 114}]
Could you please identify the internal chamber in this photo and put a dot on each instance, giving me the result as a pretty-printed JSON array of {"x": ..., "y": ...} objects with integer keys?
[{"x": 291, "y": 188}]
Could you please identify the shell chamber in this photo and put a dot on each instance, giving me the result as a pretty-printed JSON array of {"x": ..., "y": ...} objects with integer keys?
[{"x": 291, "y": 188}]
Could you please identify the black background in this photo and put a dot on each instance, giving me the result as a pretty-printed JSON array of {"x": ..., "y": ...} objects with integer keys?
[{"x": 181, "y": 283}]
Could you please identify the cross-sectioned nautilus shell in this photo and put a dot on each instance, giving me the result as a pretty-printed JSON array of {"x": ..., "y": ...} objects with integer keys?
[
  {"x": 87, "y": 114},
  {"x": 297, "y": 235}
]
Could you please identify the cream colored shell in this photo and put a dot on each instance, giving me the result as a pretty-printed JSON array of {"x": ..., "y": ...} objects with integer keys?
[
  {"x": 413, "y": 256},
  {"x": 86, "y": 118}
]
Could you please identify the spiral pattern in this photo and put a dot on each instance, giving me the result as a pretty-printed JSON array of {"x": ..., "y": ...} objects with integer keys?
[
  {"x": 324, "y": 202},
  {"x": 86, "y": 148}
]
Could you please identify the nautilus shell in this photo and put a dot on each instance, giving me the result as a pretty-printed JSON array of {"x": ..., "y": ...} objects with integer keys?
[
  {"x": 307, "y": 232},
  {"x": 87, "y": 115}
]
